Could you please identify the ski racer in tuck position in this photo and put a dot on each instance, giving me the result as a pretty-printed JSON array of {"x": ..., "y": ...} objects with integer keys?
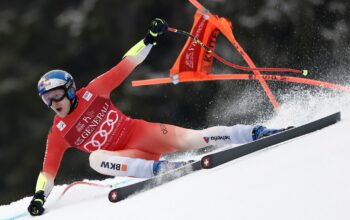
[{"x": 118, "y": 145}]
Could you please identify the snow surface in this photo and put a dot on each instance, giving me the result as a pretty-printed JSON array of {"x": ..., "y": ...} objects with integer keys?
[{"x": 305, "y": 178}]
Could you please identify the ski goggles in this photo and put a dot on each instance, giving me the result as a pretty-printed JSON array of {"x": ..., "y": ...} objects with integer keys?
[{"x": 53, "y": 95}]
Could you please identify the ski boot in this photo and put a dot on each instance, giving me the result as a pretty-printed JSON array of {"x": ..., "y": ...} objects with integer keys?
[
  {"x": 163, "y": 166},
  {"x": 260, "y": 131}
]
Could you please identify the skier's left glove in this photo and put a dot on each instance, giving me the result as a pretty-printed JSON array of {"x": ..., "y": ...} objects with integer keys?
[
  {"x": 157, "y": 27},
  {"x": 36, "y": 205}
]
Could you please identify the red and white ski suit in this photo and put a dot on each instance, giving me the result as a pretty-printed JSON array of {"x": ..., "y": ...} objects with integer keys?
[{"x": 96, "y": 124}]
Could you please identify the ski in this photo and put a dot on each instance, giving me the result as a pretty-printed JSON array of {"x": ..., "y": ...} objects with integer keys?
[
  {"x": 221, "y": 157},
  {"x": 119, "y": 194},
  {"x": 215, "y": 159}
]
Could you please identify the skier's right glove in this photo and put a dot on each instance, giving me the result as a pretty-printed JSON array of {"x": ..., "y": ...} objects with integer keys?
[
  {"x": 36, "y": 205},
  {"x": 157, "y": 27}
]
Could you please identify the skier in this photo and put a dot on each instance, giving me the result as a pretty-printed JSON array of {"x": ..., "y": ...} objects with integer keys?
[{"x": 120, "y": 146}]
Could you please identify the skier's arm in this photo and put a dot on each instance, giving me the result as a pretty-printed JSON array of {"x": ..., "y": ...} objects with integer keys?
[
  {"x": 55, "y": 149},
  {"x": 108, "y": 81},
  {"x": 111, "y": 79}
]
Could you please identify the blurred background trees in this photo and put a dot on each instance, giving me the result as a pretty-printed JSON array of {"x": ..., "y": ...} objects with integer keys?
[{"x": 88, "y": 37}]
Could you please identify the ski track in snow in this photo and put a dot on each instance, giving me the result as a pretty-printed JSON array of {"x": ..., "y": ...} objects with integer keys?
[{"x": 305, "y": 178}]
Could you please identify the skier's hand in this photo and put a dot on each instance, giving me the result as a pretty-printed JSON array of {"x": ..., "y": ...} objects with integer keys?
[
  {"x": 36, "y": 205},
  {"x": 158, "y": 26}
]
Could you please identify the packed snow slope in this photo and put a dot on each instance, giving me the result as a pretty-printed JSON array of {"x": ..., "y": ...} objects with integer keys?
[{"x": 305, "y": 178}]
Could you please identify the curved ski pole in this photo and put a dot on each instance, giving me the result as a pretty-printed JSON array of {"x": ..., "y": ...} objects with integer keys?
[
  {"x": 83, "y": 183},
  {"x": 25, "y": 213},
  {"x": 228, "y": 63},
  {"x": 90, "y": 184},
  {"x": 245, "y": 76}
]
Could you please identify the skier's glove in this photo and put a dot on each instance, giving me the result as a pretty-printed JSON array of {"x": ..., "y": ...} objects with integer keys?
[
  {"x": 36, "y": 205},
  {"x": 157, "y": 27}
]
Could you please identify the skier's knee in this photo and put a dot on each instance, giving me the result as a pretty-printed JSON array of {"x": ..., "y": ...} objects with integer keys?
[
  {"x": 109, "y": 163},
  {"x": 95, "y": 159}
]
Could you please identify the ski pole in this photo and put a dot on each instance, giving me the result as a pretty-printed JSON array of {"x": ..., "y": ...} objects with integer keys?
[
  {"x": 228, "y": 63},
  {"x": 91, "y": 184},
  {"x": 83, "y": 183},
  {"x": 25, "y": 213}
]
